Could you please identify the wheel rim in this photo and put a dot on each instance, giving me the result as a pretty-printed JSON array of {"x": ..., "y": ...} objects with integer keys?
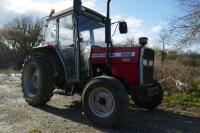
[
  {"x": 32, "y": 79},
  {"x": 101, "y": 102}
]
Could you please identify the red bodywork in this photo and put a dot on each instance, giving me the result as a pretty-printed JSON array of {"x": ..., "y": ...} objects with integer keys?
[{"x": 122, "y": 67}]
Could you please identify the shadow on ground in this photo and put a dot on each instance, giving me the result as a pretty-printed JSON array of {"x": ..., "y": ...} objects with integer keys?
[{"x": 137, "y": 120}]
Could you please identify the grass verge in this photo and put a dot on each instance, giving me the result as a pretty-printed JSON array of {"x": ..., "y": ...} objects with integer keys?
[{"x": 191, "y": 98}]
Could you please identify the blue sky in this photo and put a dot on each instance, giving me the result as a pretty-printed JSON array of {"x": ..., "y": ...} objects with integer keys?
[
  {"x": 144, "y": 17},
  {"x": 151, "y": 16},
  {"x": 152, "y": 12}
]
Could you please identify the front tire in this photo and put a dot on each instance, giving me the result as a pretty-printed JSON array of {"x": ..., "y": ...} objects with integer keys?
[
  {"x": 105, "y": 101},
  {"x": 148, "y": 102},
  {"x": 37, "y": 80}
]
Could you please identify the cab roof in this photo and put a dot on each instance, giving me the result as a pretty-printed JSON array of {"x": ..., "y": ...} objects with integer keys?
[{"x": 85, "y": 11}]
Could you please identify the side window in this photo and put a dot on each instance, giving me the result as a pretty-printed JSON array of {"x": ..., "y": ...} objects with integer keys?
[
  {"x": 85, "y": 35},
  {"x": 66, "y": 31},
  {"x": 99, "y": 36},
  {"x": 50, "y": 32}
]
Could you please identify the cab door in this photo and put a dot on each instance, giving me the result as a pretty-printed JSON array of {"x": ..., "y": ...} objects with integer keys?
[{"x": 68, "y": 47}]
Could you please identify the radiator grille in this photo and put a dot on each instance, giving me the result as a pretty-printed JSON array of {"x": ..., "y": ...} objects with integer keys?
[{"x": 148, "y": 68}]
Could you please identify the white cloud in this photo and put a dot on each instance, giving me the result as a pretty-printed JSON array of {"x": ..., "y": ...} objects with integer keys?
[
  {"x": 44, "y": 6},
  {"x": 131, "y": 21},
  {"x": 156, "y": 29},
  {"x": 40, "y": 8},
  {"x": 134, "y": 22},
  {"x": 135, "y": 29}
]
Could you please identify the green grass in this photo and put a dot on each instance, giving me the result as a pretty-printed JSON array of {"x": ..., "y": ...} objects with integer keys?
[
  {"x": 187, "y": 98},
  {"x": 35, "y": 130}
]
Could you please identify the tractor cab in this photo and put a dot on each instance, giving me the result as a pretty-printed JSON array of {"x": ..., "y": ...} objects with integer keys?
[{"x": 74, "y": 35}]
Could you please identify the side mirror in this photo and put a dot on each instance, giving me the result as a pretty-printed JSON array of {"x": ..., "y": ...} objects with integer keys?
[
  {"x": 143, "y": 41},
  {"x": 77, "y": 6},
  {"x": 123, "y": 28}
]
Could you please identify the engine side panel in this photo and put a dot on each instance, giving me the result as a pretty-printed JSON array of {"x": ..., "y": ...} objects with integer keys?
[
  {"x": 128, "y": 73},
  {"x": 124, "y": 62}
]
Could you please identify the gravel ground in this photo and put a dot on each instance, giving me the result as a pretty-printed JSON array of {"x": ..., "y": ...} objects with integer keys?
[{"x": 64, "y": 114}]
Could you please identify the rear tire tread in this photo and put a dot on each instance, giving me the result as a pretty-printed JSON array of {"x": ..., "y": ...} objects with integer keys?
[{"x": 47, "y": 88}]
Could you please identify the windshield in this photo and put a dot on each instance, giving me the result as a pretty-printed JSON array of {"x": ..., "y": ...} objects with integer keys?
[{"x": 91, "y": 31}]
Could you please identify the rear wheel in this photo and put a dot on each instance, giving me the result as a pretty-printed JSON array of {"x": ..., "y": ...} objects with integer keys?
[
  {"x": 105, "y": 101},
  {"x": 37, "y": 80},
  {"x": 149, "y": 102}
]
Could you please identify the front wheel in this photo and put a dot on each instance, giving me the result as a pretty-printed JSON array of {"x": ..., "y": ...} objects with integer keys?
[
  {"x": 105, "y": 101},
  {"x": 152, "y": 102}
]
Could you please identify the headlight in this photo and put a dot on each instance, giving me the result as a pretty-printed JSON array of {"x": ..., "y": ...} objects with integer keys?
[
  {"x": 145, "y": 62},
  {"x": 148, "y": 63},
  {"x": 151, "y": 63}
]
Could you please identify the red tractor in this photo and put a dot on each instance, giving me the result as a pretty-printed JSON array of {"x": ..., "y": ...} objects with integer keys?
[{"x": 78, "y": 55}]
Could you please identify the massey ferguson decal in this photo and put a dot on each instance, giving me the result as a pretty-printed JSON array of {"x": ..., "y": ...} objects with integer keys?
[{"x": 114, "y": 55}]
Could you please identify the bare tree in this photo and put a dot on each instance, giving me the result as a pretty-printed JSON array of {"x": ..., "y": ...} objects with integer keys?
[
  {"x": 3, "y": 47},
  {"x": 23, "y": 33},
  {"x": 186, "y": 29},
  {"x": 4, "y": 50},
  {"x": 130, "y": 41},
  {"x": 164, "y": 40}
]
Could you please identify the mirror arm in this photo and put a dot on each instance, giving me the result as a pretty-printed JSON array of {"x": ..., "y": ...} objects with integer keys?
[
  {"x": 115, "y": 29},
  {"x": 115, "y": 22}
]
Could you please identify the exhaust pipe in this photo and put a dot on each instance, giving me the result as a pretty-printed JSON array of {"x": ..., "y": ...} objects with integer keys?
[
  {"x": 108, "y": 37},
  {"x": 77, "y": 6},
  {"x": 108, "y": 24}
]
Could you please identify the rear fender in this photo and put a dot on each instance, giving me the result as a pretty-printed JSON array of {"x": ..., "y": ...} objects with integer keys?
[{"x": 54, "y": 57}]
